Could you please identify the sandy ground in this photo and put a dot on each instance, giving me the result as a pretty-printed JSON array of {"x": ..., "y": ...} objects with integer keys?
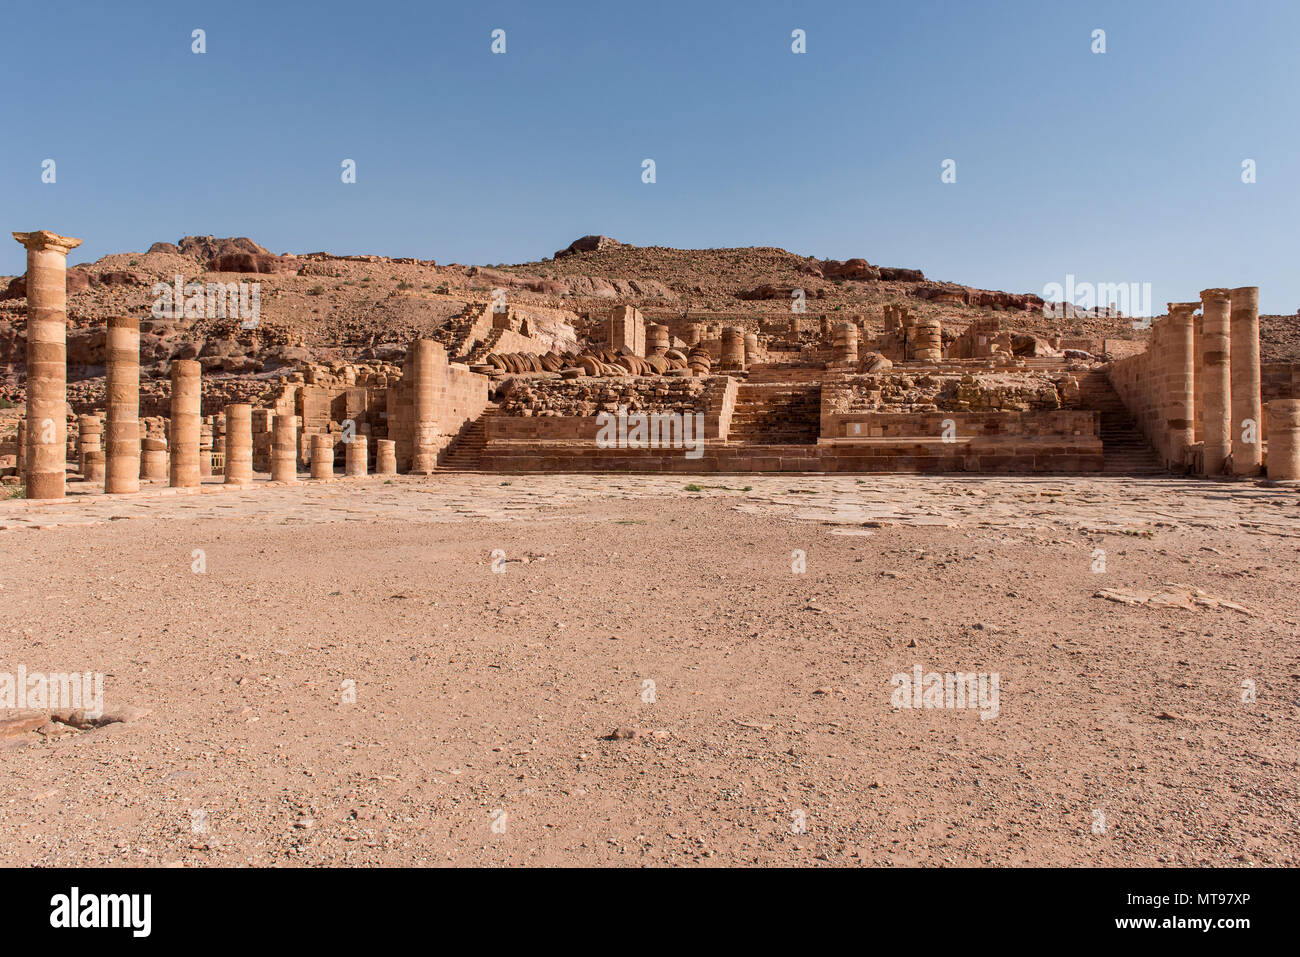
[{"x": 754, "y": 701}]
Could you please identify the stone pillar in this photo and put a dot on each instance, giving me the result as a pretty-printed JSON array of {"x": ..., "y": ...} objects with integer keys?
[
  {"x": 732, "y": 355},
  {"x": 153, "y": 459},
  {"x": 184, "y": 438},
  {"x": 1247, "y": 406},
  {"x": 845, "y": 344},
  {"x": 1217, "y": 402},
  {"x": 205, "y": 448},
  {"x": 90, "y": 432},
  {"x": 284, "y": 448},
  {"x": 93, "y": 469},
  {"x": 699, "y": 361},
  {"x": 355, "y": 455},
  {"x": 424, "y": 412},
  {"x": 751, "y": 348},
  {"x": 656, "y": 339},
  {"x": 1284, "y": 440},
  {"x": 239, "y": 444},
  {"x": 1179, "y": 381},
  {"x": 929, "y": 340},
  {"x": 122, "y": 394},
  {"x": 385, "y": 457},
  {"x": 46, "y": 454},
  {"x": 322, "y": 455}
]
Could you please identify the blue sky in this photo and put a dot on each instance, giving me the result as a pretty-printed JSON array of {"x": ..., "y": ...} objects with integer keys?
[{"x": 1115, "y": 167}]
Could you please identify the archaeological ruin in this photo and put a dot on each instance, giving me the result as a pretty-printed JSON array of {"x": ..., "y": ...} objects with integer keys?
[{"x": 493, "y": 391}]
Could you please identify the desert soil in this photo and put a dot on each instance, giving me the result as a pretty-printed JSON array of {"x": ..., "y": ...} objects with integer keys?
[{"x": 1126, "y": 734}]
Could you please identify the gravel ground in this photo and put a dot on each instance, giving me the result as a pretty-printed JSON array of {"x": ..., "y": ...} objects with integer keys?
[{"x": 649, "y": 680}]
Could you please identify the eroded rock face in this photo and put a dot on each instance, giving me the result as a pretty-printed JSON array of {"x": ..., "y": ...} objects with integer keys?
[{"x": 587, "y": 244}]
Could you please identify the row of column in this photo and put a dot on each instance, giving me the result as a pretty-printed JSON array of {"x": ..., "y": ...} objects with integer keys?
[{"x": 125, "y": 455}]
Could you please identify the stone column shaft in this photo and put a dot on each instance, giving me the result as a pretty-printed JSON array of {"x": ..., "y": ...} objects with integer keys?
[
  {"x": 385, "y": 457},
  {"x": 355, "y": 455},
  {"x": 1180, "y": 378},
  {"x": 1215, "y": 363},
  {"x": 1284, "y": 440},
  {"x": 122, "y": 395},
  {"x": 322, "y": 455},
  {"x": 185, "y": 423},
  {"x": 1247, "y": 406},
  {"x": 424, "y": 411},
  {"x": 284, "y": 448},
  {"x": 45, "y": 457},
  {"x": 239, "y": 444}
]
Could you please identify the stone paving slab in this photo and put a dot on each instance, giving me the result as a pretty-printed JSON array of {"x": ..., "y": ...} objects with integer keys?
[{"x": 1097, "y": 504}]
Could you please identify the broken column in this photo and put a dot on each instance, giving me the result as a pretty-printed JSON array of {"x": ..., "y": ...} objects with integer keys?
[
  {"x": 205, "y": 448},
  {"x": 845, "y": 344},
  {"x": 355, "y": 454},
  {"x": 89, "y": 434},
  {"x": 385, "y": 457},
  {"x": 153, "y": 459},
  {"x": 322, "y": 455},
  {"x": 284, "y": 448},
  {"x": 1179, "y": 381},
  {"x": 733, "y": 348},
  {"x": 185, "y": 420},
  {"x": 1217, "y": 402},
  {"x": 656, "y": 339},
  {"x": 751, "y": 348},
  {"x": 424, "y": 410},
  {"x": 1247, "y": 407},
  {"x": 47, "y": 362},
  {"x": 1284, "y": 440},
  {"x": 239, "y": 444},
  {"x": 93, "y": 468},
  {"x": 929, "y": 340},
  {"x": 122, "y": 395}
]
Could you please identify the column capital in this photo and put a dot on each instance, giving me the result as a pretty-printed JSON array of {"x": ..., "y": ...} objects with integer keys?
[
  {"x": 1245, "y": 297},
  {"x": 1215, "y": 295},
  {"x": 1182, "y": 310},
  {"x": 43, "y": 239}
]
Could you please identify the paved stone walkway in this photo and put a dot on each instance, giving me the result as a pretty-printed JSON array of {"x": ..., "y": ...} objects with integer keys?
[{"x": 1135, "y": 506}]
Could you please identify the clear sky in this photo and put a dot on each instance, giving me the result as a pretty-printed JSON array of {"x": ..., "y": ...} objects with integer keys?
[{"x": 1117, "y": 167}]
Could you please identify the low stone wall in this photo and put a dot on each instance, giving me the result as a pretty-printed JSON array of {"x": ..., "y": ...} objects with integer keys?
[{"x": 548, "y": 395}]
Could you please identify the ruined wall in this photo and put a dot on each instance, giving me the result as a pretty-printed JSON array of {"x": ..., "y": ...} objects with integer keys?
[{"x": 1156, "y": 385}]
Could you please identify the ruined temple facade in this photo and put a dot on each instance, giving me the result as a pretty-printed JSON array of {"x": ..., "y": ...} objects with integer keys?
[{"x": 829, "y": 394}]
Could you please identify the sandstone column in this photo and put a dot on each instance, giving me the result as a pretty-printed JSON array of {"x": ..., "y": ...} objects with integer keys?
[
  {"x": 424, "y": 412},
  {"x": 122, "y": 388},
  {"x": 239, "y": 444},
  {"x": 355, "y": 456},
  {"x": 845, "y": 344},
  {"x": 47, "y": 361},
  {"x": 90, "y": 433},
  {"x": 22, "y": 448},
  {"x": 93, "y": 469},
  {"x": 1284, "y": 440},
  {"x": 153, "y": 459},
  {"x": 656, "y": 339},
  {"x": 732, "y": 354},
  {"x": 284, "y": 448},
  {"x": 385, "y": 457},
  {"x": 322, "y": 455},
  {"x": 1179, "y": 384},
  {"x": 1215, "y": 346},
  {"x": 1247, "y": 408},
  {"x": 184, "y": 436},
  {"x": 205, "y": 448}
]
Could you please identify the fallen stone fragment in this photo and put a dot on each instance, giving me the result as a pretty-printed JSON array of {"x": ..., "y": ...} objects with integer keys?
[{"x": 1171, "y": 595}]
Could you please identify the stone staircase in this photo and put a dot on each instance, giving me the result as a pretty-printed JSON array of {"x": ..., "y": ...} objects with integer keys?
[
  {"x": 480, "y": 350},
  {"x": 1125, "y": 449},
  {"x": 776, "y": 413},
  {"x": 457, "y": 336},
  {"x": 465, "y": 452}
]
